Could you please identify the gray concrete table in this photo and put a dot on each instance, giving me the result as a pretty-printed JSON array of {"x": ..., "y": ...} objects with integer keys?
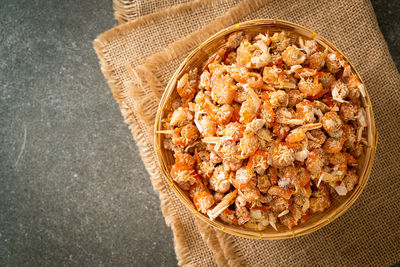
[{"x": 73, "y": 189}]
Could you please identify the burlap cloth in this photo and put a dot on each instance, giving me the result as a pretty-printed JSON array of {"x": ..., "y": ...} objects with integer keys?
[{"x": 139, "y": 57}]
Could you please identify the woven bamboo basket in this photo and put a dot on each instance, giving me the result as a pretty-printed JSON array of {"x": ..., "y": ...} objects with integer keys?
[{"x": 165, "y": 158}]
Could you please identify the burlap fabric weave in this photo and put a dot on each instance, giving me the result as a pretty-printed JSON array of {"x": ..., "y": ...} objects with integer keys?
[{"x": 139, "y": 57}]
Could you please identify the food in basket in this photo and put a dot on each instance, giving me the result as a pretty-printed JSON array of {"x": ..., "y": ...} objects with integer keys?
[{"x": 267, "y": 130}]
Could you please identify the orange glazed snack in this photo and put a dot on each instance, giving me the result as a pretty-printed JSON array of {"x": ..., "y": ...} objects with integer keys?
[{"x": 267, "y": 130}]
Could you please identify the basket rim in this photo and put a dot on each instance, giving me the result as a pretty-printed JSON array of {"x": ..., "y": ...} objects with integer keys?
[{"x": 247, "y": 233}]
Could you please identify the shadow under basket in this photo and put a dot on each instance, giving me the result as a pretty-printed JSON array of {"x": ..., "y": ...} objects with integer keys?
[{"x": 165, "y": 157}]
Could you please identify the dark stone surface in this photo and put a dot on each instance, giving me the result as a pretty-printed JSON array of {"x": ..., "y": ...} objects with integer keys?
[
  {"x": 388, "y": 15},
  {"x": 73, "y": 190}
]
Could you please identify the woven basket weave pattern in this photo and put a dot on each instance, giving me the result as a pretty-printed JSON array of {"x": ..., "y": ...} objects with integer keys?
[{"x": 165, "y": 158}]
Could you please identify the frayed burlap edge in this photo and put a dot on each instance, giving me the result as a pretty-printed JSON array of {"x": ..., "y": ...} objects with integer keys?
[
  {"x": 146, "y": 153},
  {"x": 129, "y": 13},
  {"x": 125, "y": 10}
]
